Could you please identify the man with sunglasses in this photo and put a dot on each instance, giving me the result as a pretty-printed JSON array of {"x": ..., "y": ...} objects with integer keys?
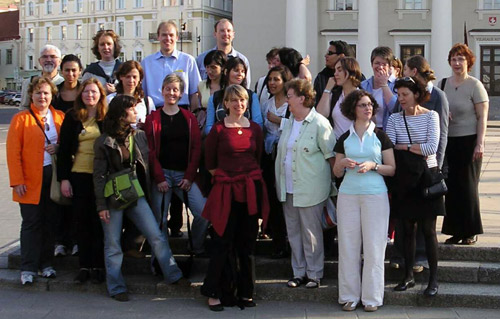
[
  {"x": 50, "y": 59},
  {"x": 336, "y": 50}
]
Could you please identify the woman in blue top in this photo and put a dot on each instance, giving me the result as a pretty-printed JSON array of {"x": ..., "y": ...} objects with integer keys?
[
  {"x": 235, "y": 72},
  {"x": 364, "y": 155}
]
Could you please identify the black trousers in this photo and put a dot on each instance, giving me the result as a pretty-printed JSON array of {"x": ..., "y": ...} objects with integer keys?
[
  {"x": 65, "y": 226},
  {"x": 89, "y": 229},
  {"x": 230, "y": 269},
  {"x": 276, "y": 224},
  {"x": 37, "y": 234}
]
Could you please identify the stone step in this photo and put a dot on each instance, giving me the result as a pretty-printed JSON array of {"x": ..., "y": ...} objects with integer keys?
[
  {"x": 446, "y": 252},
  {"x": 448, "y": 271},
  {"x": 450, "y": 294}
]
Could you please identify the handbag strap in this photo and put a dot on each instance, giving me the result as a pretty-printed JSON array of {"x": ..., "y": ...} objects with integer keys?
[
  {"x": 40, "y": 126},
  {"x": 406, "y": 125}
]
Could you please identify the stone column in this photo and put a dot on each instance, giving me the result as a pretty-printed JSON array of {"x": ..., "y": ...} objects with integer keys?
[
  {"x": 296, "y": 25},
  {"x": 367, "y": 34},
  {"x": 441, "y": 37}
]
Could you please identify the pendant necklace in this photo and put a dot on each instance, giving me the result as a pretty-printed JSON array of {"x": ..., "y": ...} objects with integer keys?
[{"x": 240, "y": 132}]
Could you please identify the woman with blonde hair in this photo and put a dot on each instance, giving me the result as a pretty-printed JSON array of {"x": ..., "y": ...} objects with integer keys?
[{"x": 31, "y": 141}]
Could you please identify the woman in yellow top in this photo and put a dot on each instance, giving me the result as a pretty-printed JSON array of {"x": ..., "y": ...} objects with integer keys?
[
  {"x": 81, "y": 127},
  {"x": 30, "y": 172}
]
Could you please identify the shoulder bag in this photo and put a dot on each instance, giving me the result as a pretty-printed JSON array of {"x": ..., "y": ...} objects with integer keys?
[
  {"x": 434, "y": 185},
  {"x": 55, "y": 186},
  {"x": 122, "y": 188}
]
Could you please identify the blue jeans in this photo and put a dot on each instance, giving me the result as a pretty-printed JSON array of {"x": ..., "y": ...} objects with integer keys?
[
  {"x": 142, "y": 216},
  {"x": 196, "y": 205}
]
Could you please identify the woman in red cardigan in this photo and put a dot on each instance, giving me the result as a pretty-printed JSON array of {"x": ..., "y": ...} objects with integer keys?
[
  {"x": 174, "y": 142},
  {"x": 238, "y": 198}
]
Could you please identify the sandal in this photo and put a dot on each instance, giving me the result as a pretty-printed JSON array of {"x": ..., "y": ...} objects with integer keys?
[
  {"x": 453, "y": 240},
  {"x": 295, "y": 282},
  {"x": 469, "y": 240}
]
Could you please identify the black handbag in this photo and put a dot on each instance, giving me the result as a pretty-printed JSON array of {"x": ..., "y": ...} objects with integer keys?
[
  {"x": 122, "y": 188},
  {"x": 434, "y": 185}
]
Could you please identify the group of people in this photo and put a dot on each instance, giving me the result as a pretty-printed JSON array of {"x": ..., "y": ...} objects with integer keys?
[{"x": 192, "y": 131}]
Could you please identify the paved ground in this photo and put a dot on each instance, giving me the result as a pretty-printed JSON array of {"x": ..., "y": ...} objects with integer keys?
[{"x": 20, "y": 304}]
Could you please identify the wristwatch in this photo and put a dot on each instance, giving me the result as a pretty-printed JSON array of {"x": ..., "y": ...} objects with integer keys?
[
  {"x": 408, "y": 146},
  {"x": 327, "y": 91},
  {"x": 375, "y": 168}
]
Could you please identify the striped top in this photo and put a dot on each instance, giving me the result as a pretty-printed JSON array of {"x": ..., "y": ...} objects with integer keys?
[{"x": 424, "y": 130}]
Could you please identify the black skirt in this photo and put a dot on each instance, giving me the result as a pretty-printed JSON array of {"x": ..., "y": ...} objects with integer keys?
[
  {"x": 407, "y": 201},
  {"x": 463, "y": 218}
]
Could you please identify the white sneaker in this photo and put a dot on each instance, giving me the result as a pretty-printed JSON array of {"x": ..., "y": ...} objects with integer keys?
[
  {"x": 49, "y": 272},
  {"x": 26, "y": 279},
  {"x": 60, "y": 250},
  {"x": 74, "y": 251}
]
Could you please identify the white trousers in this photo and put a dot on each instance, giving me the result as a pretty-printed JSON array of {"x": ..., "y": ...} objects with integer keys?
[
  {"x": 362, "y": 229},
  {"x": 305, "y": 234}
]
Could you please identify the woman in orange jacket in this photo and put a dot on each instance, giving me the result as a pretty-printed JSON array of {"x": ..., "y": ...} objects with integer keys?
[{"x": 31, "y": 140}]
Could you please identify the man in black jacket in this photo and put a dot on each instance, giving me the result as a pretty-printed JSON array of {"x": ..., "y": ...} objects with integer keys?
[{"x": 336, "y": 50}]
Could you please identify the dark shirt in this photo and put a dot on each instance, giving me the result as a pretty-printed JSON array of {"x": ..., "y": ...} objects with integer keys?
[
  {"x": 58, "y": 103},
  {"x": 174, "y": 145}
]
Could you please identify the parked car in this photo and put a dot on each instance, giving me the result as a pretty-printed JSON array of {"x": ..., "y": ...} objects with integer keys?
[
  {"x": 16, "y": 100},
  {"x": 3, "y": 95},
  {"x": 8, "y": 97}
]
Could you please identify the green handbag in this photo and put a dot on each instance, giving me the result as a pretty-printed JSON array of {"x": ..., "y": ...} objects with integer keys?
[{"x": 122, "y": 188}]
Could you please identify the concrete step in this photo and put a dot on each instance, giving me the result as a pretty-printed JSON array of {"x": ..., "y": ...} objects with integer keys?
[
  {"x": 446, "y": 252},
  {"x": 450, "y": 294},
  {"x": 449, "y": 270}
]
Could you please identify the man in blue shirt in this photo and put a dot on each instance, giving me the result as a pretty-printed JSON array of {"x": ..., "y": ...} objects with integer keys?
[
  {"x": 169, "y": 60},
  {"x": 224, "y": 35}
]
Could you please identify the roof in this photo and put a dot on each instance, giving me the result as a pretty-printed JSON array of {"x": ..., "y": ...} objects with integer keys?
[{"x": 10, "y": 25}]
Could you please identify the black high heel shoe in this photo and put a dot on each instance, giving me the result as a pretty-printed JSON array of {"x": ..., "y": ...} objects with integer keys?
[{"x": 405, "y": 285}]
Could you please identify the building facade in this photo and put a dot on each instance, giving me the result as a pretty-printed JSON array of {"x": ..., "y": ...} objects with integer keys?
[
  {"x": 426, "y": 27},
  {"x": 71, "y": 24},
  {"x": 9, "y": 48}
]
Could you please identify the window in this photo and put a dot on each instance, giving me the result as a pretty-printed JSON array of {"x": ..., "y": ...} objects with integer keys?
[
  {"x": 102, "y": 5},
  {"x": 79, "y": 32},
  {"x": 121, "y": 57},
  {"x": 490, "y": 70},
  {"x": 49, "y": 6},
  {"x": 31, "y": 8},
  {"x": 120, "y": 4},
  {"x": 491, "y": 4},
  {"x": 411, "y": 50},
  {"x": 64, "y": 6},
  {"x": 31, "y": 34},
  {"x": 79, "y": 6},
  {"x": 121, "y": 28},
  {"x": 138, "y": 56},
  {"x": 138, "y": 29},
  {"x": 49, "y": 33},
  {"x": 342, "y": 5},
  {"x": 413, "y": 4},
  {"x": 8, "y": 57},
  {"x": 30, "y": 62},
  {"x": 64, "y": 32},
  {"x": 138, "y": 3}
]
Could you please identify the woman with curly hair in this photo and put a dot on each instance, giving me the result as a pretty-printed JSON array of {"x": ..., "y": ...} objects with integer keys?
[{"x": 106, "y": 48}]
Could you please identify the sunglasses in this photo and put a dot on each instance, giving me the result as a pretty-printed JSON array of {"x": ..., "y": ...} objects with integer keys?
[
  {"x": 406, "y": 79},
  {"x": 331, "y": 53},
  {"x": 45, "y": 124}
]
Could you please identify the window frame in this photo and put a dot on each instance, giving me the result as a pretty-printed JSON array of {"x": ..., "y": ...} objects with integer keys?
[
  {"x": 8, "y": 56},
  {"x": 49, "y": 6}
]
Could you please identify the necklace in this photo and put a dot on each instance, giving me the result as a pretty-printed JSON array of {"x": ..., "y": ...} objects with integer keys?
[{"x": 240, "y": 132}]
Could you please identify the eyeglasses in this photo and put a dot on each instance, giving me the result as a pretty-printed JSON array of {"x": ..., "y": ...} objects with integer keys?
[
  {"x": 459, "y": 59},
  {"x": 45, "y": 124},
  {"x": 365, "y": 105},
  {"x": 53, "y": 57},
  {"x": 330, "y": 52}
]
